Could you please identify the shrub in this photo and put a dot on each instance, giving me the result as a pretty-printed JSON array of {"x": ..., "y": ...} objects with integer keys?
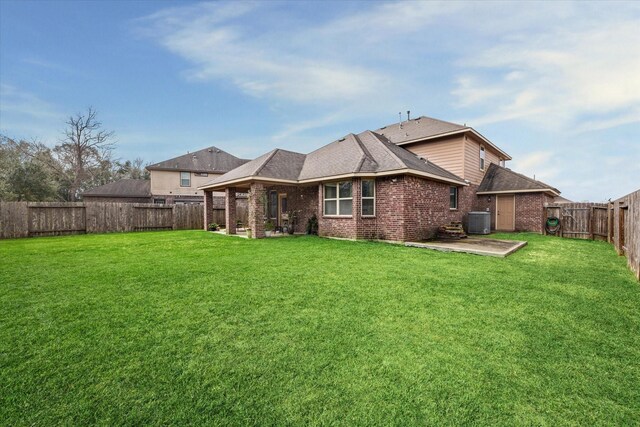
[{"x": 312, "y": 225}]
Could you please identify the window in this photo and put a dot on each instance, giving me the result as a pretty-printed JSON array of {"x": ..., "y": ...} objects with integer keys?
[
  {"x": 272, "y": 208},
  {"x": 185, "y": 179},
  {"x": 159, "y": 201},
  {"x": 201, "y": 174},
  {"x": 453, "y": 197},
  {"x": 481, "y": 158},
  {"x": 368, "y": 197},
  {"x": 338, "y": 199}
]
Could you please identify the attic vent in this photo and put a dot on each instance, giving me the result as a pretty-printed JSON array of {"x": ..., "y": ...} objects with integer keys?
[
  {"x": 406, "y": 134},
  {"x": 341, "y": 139},
  {"x": 217, "y": 151},
  {"x": 210, "y": 150},
  {"x": 383, "y": 127}
]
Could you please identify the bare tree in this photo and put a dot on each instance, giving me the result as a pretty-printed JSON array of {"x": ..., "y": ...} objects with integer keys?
[{"x": 85, "y": 151}]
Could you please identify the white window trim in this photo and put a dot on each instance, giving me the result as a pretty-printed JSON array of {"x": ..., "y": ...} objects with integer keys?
[
  {"x": 337, "y": 199},
  {"x": 362, "y": 198},
  {"x": 457, "y": 193},
  {"x": 181, "y": 172},
  {"x": 483, "y": 158}
]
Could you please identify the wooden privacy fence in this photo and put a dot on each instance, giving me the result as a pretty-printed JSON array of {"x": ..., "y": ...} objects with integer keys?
[
  {"x": 624, "y": 215},
  {"x": 26, "y": 219},
  {"x": 581, "y": 220}
]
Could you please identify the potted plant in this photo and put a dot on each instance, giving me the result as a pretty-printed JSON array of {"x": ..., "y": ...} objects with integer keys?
[
  {"x": 292, "y": 216},
  {"x": 238, "y": 224},
  {"x": 268, "y": 228},
  {"x": 214, "y": 227},
  {"x": 248, "y": 230}
]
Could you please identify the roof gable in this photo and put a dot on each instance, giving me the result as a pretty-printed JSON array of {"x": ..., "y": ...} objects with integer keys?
[
  {"x": 498, "y": 179},
  {"x": 209, "y": 159},
  {"x": 421, "y": 127}
]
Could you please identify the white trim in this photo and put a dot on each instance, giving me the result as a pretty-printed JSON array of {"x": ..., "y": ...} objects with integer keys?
[
  {"x": 246, "y": 179},
  {"x": 455, "y": 132},
  {"x": 456, "y": 208},
  {"x": 405, "y": 171},
  {"x": 337, "y": 199},
  {"x": 539, "y": 190},
  {"x": 362, "y": 199}
]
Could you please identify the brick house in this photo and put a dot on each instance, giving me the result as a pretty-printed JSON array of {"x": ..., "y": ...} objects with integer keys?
[{"x": 400, "y": 182}]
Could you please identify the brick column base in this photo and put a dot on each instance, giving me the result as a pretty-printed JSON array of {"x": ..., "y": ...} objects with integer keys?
[
  {"x": 256, "y": 205},
  {"x": 230, "y": 209},
  {"x": 208, "y": 208}
]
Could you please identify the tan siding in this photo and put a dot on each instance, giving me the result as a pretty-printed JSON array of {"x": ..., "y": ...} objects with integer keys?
[
  {"x": 472, "y": 170},
  {"x": 168, "y": 182},
  {"x": 445, "y": 153}
]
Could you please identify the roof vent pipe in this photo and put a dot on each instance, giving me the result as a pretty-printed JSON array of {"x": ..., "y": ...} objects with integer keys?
[
  {"x": 400, "y": 120},
  {"x": 408, "y": 115}
]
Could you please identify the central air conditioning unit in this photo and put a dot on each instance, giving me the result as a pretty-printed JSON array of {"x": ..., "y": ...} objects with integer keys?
[{"x": 479, "y": 223}]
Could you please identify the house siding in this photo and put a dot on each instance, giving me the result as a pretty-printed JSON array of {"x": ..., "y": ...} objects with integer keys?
[
  {"x": 446, "y": 153},
  {"x": 472, "y": 171}
]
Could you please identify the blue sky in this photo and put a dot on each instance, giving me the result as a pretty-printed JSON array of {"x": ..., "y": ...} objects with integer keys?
[{"x": 555, "y": 84}]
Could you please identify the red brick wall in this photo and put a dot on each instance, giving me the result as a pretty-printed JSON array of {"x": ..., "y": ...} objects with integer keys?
[
  {"x": 530, "y": 211},
  {"x": 301, "y": 199},
  {"x": 407, "y": 208},
  {"x": 337, "y": 227}
]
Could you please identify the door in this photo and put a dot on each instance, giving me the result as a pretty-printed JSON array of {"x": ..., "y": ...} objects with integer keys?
[
  {"x": 282, "y": 208},
  {"x": 505, "y": 213}
]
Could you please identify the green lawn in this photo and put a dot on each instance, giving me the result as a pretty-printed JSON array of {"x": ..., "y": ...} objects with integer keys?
[{"x": 194, "y": 328}]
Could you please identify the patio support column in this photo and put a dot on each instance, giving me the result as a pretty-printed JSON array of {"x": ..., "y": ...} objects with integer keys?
[
  {"x": 230, "y": 209},
  {"x": 257, "y": 199},
  {"x": 208, "y": 208}
]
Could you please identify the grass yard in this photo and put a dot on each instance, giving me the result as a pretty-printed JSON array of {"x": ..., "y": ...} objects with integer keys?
[{"x": 164, "y": 328}]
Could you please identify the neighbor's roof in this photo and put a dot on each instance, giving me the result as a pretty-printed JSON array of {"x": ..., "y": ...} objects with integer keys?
[
  {"x": 425, "y": 128},
  {"x": 210, "y": 159},
  {"x": 365, "y": 154},
  {"x": 122, "y": 188},
  {"x": 502, "y": 180}
]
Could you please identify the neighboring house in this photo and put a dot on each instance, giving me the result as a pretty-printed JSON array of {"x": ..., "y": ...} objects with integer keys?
[
  {"x": 177, "y": 180},
  {"x": 172, "y": 181},
  {"x": 122, "y": 191},
  {"x": 399, "y": 183}
]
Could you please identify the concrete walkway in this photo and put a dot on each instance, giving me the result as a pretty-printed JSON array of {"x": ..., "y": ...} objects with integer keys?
[{"x": 471, "y": 245}]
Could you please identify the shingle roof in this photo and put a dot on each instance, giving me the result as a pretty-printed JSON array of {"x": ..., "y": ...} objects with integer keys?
[
  {"x": 499, "y": 179},
  {"x": 209, "y": 159},
  {"x": 122, "y": 188},
  {"x": 366, "y": 152},
  {"x": 421, "y": 127}
]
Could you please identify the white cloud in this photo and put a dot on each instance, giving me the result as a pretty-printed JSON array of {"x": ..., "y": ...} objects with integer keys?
[
  {"x": 219, "y": 48},
  {"x": 558, "y": 74}
]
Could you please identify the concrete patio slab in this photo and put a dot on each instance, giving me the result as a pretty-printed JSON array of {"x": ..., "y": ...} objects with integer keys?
[{"x": 471, "y": 245}]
